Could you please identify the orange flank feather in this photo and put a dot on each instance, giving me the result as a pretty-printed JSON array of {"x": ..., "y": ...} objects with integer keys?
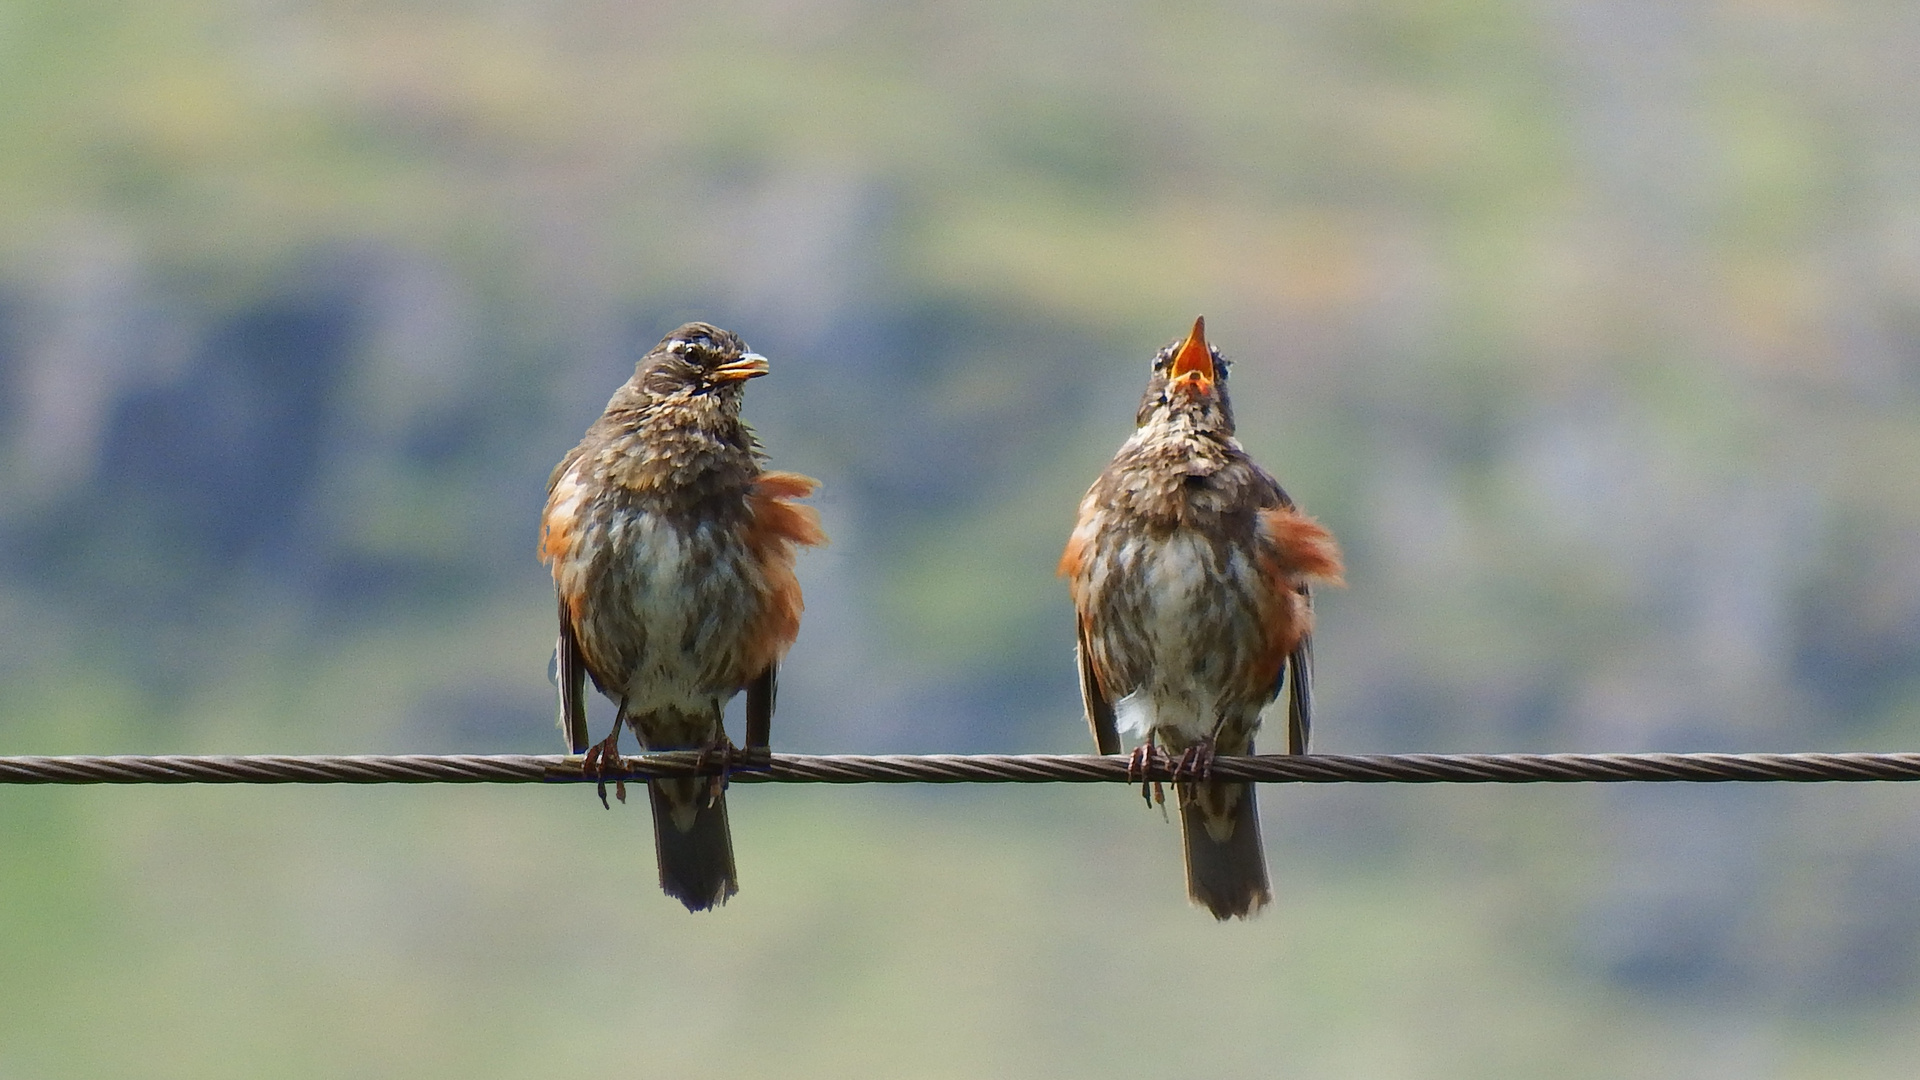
[
  {"x": 1071, "y": 558},
  {"x": 556, "y": 548},
  {"x": 791, "y": 485},
  {"x": 1306, "y": 550},
  {"x": 778, "y": 526},
  {"x": 1303, "y": 551},
  {"x": 1287, "y": 618},
  {"x": 556, "y": 537}
]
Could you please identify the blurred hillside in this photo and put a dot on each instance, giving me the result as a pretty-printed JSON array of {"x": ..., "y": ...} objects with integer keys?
[{"x": 1591, "y": 327}]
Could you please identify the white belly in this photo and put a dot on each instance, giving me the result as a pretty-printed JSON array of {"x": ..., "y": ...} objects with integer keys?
[
  {"x": 691, "y": 613},
  {"x": 1179, "y": 696}
]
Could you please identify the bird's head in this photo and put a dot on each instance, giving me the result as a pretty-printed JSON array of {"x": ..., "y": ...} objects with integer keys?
[
  {"x": 699, "y": 363},
  {"x": 1189, "y": 383}
]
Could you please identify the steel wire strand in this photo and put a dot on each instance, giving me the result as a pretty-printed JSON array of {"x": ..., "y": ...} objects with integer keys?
[{"x": 745, "y": 767}]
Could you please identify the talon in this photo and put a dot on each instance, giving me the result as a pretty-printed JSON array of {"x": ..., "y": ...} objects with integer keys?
[
  {"x": 720, "y": 779},
  {"x": 1140, "y": 768},
  {"x": 591, "y": 765},
  {"x": 596, "y": 761},
  {"x": 1196, "y": 763}
]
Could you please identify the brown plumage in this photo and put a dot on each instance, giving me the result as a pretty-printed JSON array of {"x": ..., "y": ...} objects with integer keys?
[
  {"x": 672, "y": 555},
  {"x": 1189, "y": 568}
]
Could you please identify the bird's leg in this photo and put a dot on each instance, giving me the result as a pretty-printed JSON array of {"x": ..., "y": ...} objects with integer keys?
[
  {"x": 721, "y": 777},
  {"x": 599, "y": 756},
  {"x": 1139, "y": 765},
  {"x": 1145, "y": 758}
]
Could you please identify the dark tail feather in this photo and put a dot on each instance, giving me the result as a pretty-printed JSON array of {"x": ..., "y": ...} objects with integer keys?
[
  {"x": 693, "y": 844},
  {"x": 1229, "y": 875}
]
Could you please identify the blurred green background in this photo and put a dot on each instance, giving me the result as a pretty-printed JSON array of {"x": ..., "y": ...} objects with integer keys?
[{"x": 1592, "y": 327}]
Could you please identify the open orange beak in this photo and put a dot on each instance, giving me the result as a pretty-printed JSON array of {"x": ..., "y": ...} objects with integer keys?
[{"x": 1193, "y": 363}]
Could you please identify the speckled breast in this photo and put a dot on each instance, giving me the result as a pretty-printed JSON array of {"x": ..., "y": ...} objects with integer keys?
[
  {"x": 669, "y": 601},
  {"x": 1176, "y": 615}
]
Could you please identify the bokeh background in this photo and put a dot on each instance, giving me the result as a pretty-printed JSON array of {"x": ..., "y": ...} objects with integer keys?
[{"x": 1591, "y": 326}]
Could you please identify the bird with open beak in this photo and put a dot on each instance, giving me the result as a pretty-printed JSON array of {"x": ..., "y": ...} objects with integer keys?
[
  {"x": 672, "y": 553},
  {"x": 1190, "y": 569}
]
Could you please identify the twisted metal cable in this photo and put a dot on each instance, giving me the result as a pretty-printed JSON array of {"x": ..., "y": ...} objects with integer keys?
[{"x": 746, "y": 767}]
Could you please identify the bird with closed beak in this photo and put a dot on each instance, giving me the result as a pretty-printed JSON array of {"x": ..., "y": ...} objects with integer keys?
[
  {"x": 1190, "y": 571},
  {"x": 672, "y": 553}
]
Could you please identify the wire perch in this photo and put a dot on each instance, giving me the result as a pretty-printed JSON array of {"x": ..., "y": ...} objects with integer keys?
[{"x": 749, "y": 768}]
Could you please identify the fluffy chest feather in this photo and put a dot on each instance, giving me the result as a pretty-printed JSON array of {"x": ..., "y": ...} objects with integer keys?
[
  {"x": 664, "y": 604},
  {"x": 1177, "y": 628}
]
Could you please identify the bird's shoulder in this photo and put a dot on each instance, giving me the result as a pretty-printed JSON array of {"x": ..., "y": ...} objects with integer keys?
[
  {"x": 1263, "y": 488},
  {"x": 565, "y": 466}
]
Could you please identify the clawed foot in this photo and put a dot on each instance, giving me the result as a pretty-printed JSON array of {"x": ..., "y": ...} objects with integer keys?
[
  {"x": 718, "y": 782},
  {"x": 1140, "y": 766},
  {"x": 1196, "y": 762},
  {"x": 602, "y": 757}
]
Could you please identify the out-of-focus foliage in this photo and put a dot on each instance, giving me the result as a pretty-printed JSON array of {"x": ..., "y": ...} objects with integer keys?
[{"x": 1592, "y": 328}]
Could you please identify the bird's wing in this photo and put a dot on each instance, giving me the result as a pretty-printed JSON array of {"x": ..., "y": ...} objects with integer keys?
[
  {"x": 1300, "y": 694},
  {"x": 572, "y": 677},
  {"x": 1306, "y": 552},
  {"x": 1267, "y": 492},
  {"x": 560, "y": 470},
  {"x": 760, "y": 695},
  {"x": 1106, "y": 734}
]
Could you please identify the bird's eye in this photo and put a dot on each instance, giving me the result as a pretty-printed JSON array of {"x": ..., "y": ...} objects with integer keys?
[{"x": 694, "y": 349}]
